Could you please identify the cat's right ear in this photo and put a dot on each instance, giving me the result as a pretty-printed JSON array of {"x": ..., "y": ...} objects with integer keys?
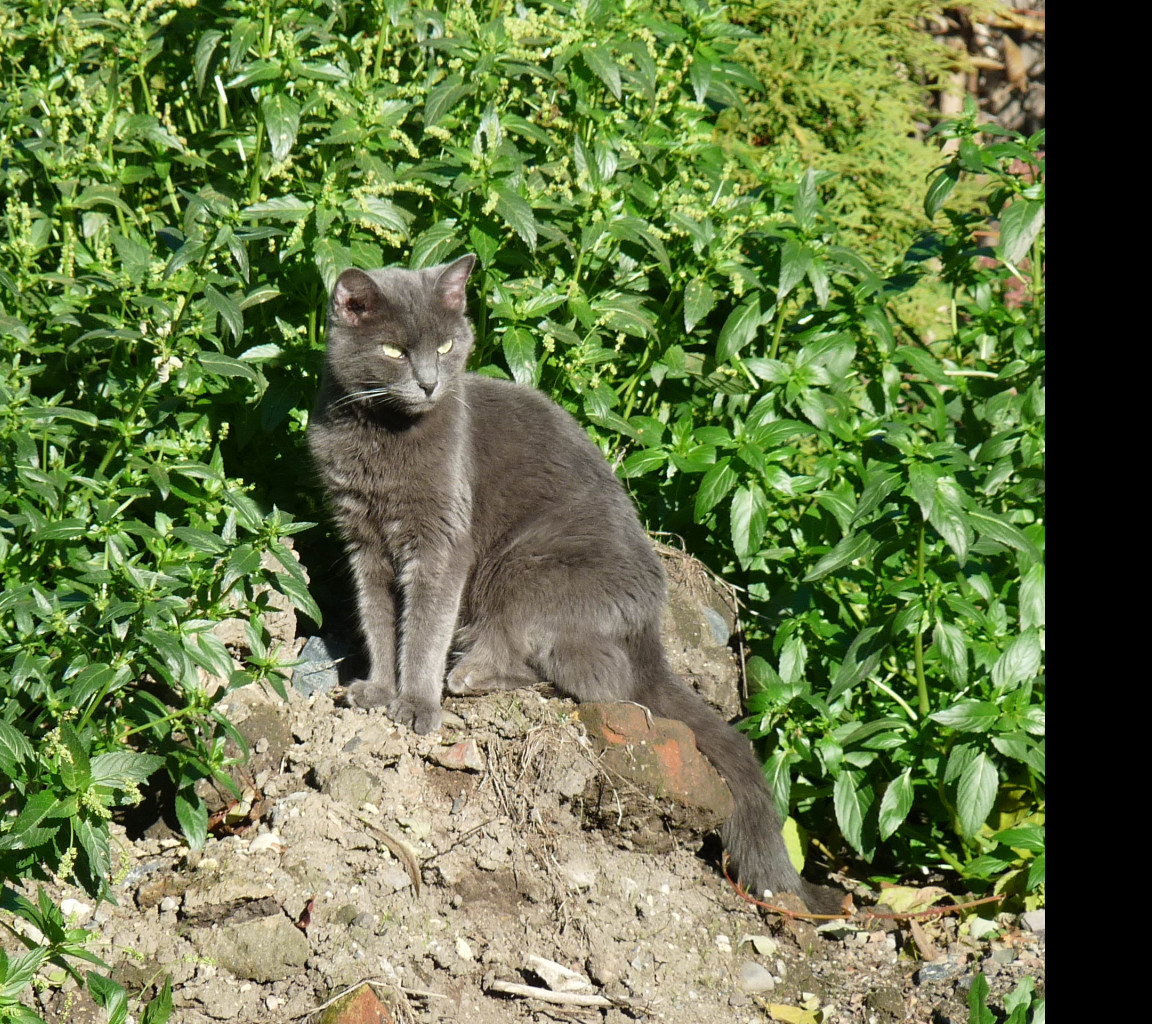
[
  {"x": 451, "y": 281},
  {"x": 354, "y": 299}
]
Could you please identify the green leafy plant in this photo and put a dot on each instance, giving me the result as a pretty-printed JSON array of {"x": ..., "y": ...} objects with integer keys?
[
  {"x": 1020, "y": 1005},
  {"x": 180, "y": 186},
  {"x": 882, "y": 499}
]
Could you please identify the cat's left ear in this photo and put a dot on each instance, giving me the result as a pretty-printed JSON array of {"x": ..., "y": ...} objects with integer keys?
[{"x": 450, "y": 284}]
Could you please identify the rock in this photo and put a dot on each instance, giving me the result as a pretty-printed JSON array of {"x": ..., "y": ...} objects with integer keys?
[
  {"x": 699, "y": 618},
  {"x": 359, "y": 1007},
  {"x": 353, "y": 786},
  {"x": 658, "y": 754},
  {"x": 462, "y": 756},
  {"x": 981, "y": 927},
  {"x": 889, "y": 1001},
  {"x": 75, "y": 911},
  {"x": 320, "y": 671},
  {"x": 943, "y": 969},
  {"x": 755, "y": 978},
  {"x": 579, "y": 871},
  {"x": 265, "y": 949},
  {"x": 1034, "y": 921}
]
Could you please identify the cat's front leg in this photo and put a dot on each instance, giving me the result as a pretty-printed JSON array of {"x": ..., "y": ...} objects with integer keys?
[
  {"x": 375, "y": 582},
  {"x": 432, "y": 591}
]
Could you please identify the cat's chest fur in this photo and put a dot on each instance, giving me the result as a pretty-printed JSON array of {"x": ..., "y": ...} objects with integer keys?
[{"x": 407, "y": 488}]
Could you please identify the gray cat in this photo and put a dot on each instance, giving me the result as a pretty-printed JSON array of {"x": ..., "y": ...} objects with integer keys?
[{"x": 479, "y": 517}]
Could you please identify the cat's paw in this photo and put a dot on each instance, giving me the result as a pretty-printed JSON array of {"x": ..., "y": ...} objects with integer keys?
[
  {"x": 420, "y": 716},
  {"x": 363, "y": 693},
  {"x": 473, "y": 676},
  {"x": 462, "y": 680}
]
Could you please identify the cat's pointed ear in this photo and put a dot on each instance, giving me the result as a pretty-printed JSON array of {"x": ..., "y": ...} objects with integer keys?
[
  {"x": 450, "y": 284},
  {"x": 354, "y": 299}
]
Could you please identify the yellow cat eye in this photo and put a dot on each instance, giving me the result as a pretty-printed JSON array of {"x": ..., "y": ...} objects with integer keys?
[
  {"x": 445, "y": 348},
  {"x": 392, "y": 351}
]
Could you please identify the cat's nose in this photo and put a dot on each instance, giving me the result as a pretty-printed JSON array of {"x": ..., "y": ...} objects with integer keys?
[{"x": 428, "y": 388}]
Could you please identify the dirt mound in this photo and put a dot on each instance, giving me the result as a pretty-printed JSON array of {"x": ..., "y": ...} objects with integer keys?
[{"x": 447, "y": 869}]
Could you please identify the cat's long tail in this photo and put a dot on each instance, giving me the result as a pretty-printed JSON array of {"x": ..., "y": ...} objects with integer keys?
[{"x": 752, "y": 835}]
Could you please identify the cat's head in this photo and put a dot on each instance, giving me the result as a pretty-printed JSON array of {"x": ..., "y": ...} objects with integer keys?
[{"x": 399, "y": 339}]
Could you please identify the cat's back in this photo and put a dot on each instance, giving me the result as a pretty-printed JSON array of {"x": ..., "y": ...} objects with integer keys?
[
  {"x": 531, "y": 459},
  {"x": 518, "y": 429}
]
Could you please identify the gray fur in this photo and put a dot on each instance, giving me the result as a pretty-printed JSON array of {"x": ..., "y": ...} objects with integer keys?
[{"x": 479, "y": 518}]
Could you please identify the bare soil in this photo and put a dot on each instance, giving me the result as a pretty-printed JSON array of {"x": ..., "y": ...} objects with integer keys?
[{"x": 346, "y": 812}]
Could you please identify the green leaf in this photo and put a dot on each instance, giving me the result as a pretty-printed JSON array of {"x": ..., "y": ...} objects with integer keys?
[
  {"x": 793, "y": 659},
  {"x": 443, "y": 98},
  {"x": 94, "y": 840},
  {"x": 952, "y": 647},
  {"x": 242, "y": 563},
  {"x": 1023, "y": 837},
  {"x": 433, "y": 245},
  {"x": 193, "y": 817},
  {"x": 1036, "y": 879},
  {"x": 860, "y": 660},
  {"x": 940, "y": 189},
  {"x": 739, "y": 329},
  {"x": 205, "y": 48},
  {"x": 922, "y": 477},
  {"x": 852, "y": 798},
  {"x": 992, "y": 526},
  {"x": 200, "y": 540},
  {"x": 159, "y": 1010},
  {"x": 976, "y": 793},
  {"x": 64, "y": 529},
  {"x": 699, "y": 299},
  {"x": 1019, "y": 662},
  {"x": 968, "y": 716},
  {"x": 520, "y": 354},
  {"x": 642, "y": 462},
  {"x": 896, "y": 804},
  {"x": 287, "y": 207},
  {"x": 717, "y": 482},
  {"x": 700, "y": 75},
  {"x": 281, "y": 122},
  {"x": 297, "y": 592},
  {"x": 879, "y": 483},
  {"x": 749, "y": 513},
  {"x": 601, "y": 64},
  {"x": 110, "y": 995},
  {"x": 806, "y": 205},
  {"x": 27, "y": 831},
  {"x": 20, "y": 970},
  {"x": 49, "y": 413},
  {"x": 14, "y": 750},
  {"x": 75, "y": 768},
  {"x": 1020, "y": 223},
  {"x": 1032, "y": 597},
  {"x": 120, "y": 769},
  {"x": 220, "y": 365},
  {"x": 795, "y": 259},
  {"x": 516, "y": 213},
  {"x": 949, "y": 518},
  {"x": 851, "y": 548},
  {"x": 780, "y": 432}
]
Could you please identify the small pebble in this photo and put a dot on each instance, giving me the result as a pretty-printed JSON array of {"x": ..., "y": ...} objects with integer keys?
[
  {"x": 265, "y": 841},
  {"x": 76, "y": 911},
  {"x": 755, "y": 978}
]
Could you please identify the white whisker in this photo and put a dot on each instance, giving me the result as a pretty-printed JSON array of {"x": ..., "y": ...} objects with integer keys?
[{"x": 356, "y": 396}]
